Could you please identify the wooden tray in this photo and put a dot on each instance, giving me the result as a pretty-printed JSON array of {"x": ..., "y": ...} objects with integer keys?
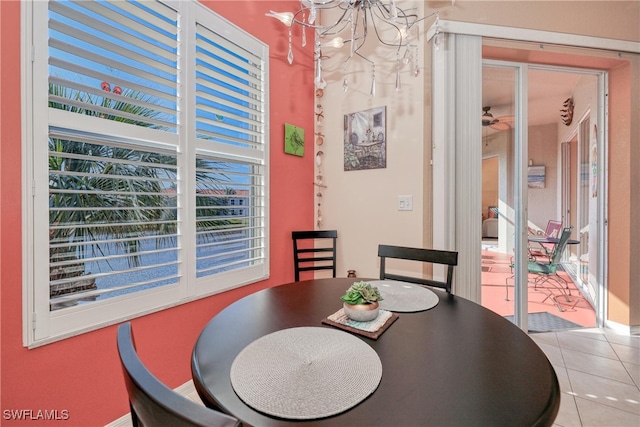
[{"x": 373, "y": 335}]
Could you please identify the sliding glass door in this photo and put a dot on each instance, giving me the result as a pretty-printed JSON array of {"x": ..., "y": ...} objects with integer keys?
[
  {"x": 501, "y": 191},
  {"x": 582, "y": 200},
  {"x": 500, "y": 111},
  {"x": 541, "y": 184},
  {"x": 503, "y": 117}
]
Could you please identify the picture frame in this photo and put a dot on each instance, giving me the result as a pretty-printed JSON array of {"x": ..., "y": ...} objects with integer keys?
[
  {"x": 365, "y": 139},
  {"x": 536, "y": 176},
  {"x": 293, "y": 140}
]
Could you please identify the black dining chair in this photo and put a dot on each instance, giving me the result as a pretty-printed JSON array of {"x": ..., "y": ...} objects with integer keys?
[
  {"x": 314, "y": 258},
  {"x": 433, "y": 256},
  {"x": 154, "y": 404}
]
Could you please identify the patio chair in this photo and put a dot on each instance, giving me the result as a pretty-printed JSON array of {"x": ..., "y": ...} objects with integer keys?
[
  {"x": 153, "y": 403},
  {"x": 433, "y": 256},
  {"x": 545, "y": 250},
  {"x": 548, "y": 272},
  {"x": 314, "y": 258}
]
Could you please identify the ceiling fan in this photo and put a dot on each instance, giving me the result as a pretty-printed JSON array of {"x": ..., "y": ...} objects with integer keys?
[{"x": 495, "y": 123}]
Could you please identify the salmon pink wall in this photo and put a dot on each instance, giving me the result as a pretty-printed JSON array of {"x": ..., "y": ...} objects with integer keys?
[
  {"x": 621, "y": 164},
  {"x": 81, "y": 375}
]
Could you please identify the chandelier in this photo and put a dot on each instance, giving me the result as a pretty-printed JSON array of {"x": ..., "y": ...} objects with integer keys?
[{"x": 394, "y": 27}]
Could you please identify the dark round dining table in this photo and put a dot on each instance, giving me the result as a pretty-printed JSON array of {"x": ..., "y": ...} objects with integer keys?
[{"x": 456, "y": 364}]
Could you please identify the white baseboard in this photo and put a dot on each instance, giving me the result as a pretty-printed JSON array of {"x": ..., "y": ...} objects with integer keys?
[
  {"x": 125, "y": 420},
  {"x": 622, "y": 329},
  {"x": 185, "y": 388}
]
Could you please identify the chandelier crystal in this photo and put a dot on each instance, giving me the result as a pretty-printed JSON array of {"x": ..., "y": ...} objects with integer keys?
[{"x": 393, "y": 26}]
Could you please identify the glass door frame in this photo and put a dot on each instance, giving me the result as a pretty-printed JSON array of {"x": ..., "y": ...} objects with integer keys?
[
  {"x": 457, "y": 69},
  {"x": 600, "y": 113},
  {"x": 520, "y": 188}
]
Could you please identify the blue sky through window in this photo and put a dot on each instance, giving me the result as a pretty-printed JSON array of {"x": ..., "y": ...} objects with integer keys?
[{"x": 100, "y": 47}]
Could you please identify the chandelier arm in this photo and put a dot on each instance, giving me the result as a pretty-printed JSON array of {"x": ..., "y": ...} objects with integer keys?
[
  {"x": 328, "y": 31},
  {"x": 436, "y": 14},
  {"x": 414, "y": 18},
  {"x": 396, "y": 45},
  {"x": 331, "y": 30},
  {"x": 323, "y": 28},
  {"x": 424, "y": 18},
  {"x": 323, "y": 3},
  {"x": 357, "y": 47},
  {"x": 365, "y": 58},
  {"x": 385, "y": 14},
  {"x": 379, "y": 13},
  {"x": 358, "y": 41}
]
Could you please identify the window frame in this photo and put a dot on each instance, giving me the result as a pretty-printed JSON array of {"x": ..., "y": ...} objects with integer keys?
[{"x": 42, "y": 326}]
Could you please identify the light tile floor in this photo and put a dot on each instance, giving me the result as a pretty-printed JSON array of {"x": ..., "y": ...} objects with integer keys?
[
  {"x": 599, "y": 375},
  {"x": 598, "y": 371}
]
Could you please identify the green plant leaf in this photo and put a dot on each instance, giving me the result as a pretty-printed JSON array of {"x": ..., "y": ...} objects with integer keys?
[{"x": 361, "y": 293}]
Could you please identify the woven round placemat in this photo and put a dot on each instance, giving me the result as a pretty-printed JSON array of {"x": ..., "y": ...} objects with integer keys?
[
  {"x": 405, "y": 297},
  {"x": 305, "y": 373}
]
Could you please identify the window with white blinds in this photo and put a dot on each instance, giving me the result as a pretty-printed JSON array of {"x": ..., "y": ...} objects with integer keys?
[
  {"x": 112, "y": 217},
  {"x": 229, "y": 94},
  {"x": 230, "y": 117},
  {"x": 230, "y": 215},
  {"x": 155, "y": 161},
  {"x": 117, "y": 60}
]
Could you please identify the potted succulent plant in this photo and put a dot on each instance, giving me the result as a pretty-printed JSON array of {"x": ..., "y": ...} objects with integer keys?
[{"x": 360, "y": 302}]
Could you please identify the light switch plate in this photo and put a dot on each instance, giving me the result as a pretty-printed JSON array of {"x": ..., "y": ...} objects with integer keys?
[{"x": 405, "y": 203}]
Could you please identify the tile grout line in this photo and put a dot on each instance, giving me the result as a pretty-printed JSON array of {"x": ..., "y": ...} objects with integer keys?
[
  {"x": 570, "y": 392},
  {"x": 624, "y": 365},
  {"x": 617, "y": 359},
  {"x": 613, "y": 381}
]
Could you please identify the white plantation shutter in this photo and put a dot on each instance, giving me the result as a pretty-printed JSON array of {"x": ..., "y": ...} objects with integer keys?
[
  {"x": 103, "y": 55},
  {"x": 231, "y": 154},
  {"x": 112, "y": 217},
  {"x": 230, "y": 215},
  {"x": 154, "y": 158},
  {"x": 230, "y": 93}
]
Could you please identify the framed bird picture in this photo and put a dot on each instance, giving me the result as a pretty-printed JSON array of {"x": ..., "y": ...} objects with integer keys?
[{"x": 293, "y": 140}]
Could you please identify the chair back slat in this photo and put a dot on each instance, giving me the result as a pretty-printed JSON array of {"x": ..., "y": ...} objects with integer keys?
[
  {"x": 154, "y": 404},
  {"x": 433, "y": 256},
  {"x": 554, "y": 229},
  {"x": 315, "y": 258},
  {"x": 562, "y": 244}
]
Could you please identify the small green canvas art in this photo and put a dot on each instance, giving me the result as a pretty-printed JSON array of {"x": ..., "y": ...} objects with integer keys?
[{"x": 293, "y": 140}]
